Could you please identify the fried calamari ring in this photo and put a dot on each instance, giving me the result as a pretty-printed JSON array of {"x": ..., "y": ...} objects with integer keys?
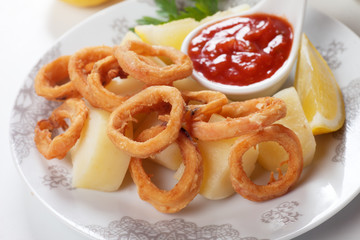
[
  {"x": 142, "y": 102},
  {"x": 52, "y": 81},
  {"x": 73, "y": 109},
  {"x": 103, "y": 72},
  {"x": 129, "y": 56},
  {"x": 184, "y": 191},
  {"x": 212, "y": 102},
  {"x": 241, "y": 117},
  {"x": 81, "y": 64},
  {"x": 242, "y": 183}
]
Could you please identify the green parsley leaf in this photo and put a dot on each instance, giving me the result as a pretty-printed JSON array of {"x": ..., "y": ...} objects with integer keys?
[
  {"x": 168, "y": 11},
  {"x": 149, "y": 20},
  {"x": 168, "y": 8},
  {"x": 207, "y": 6}
]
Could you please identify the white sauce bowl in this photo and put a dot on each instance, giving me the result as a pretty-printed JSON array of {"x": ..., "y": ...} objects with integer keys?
[{"x": 293, "y": 11}]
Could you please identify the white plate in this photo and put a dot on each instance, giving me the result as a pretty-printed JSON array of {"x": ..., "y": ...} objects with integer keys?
[{"x": 325, "y": 187}]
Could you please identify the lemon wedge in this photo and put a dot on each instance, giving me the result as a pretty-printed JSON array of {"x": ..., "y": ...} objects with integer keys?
[
  {"x": 85, "y": 3},
  {"x": 318, "y": 90},
  {"x": 271, "y": 154},
  {"x": 169, "y": 34}
]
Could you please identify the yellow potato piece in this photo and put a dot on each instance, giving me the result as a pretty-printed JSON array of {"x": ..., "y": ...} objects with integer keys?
[
  {"x": 271, "y": 154},
  {"x": 188, "y": 84},
  {"x": 216, "y": 179},
  {"x": 97, "y": 163},
  {"x": 216, "y": 182},
  {"x": 170, "y": 157}
]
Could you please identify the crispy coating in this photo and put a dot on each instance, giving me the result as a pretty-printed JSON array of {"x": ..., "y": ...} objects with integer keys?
[
  {"x": 81, "y": 64},
  {"x": 103, "y": 72},
  {"x": 210, "y": 102},
  {"x": 143, "y": 102},
  {"x": 129, "y": 56},
  {"x": 241, "y": 118},
  {"x": 50, "y": 147},
  {"x": 185, "y": 190},
  {"x": 275, "y": 188},
  {"x": 52, "y": 81}
]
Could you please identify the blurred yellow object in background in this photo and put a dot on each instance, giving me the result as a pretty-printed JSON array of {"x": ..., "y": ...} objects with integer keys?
[{"x": 85, "y": 3}]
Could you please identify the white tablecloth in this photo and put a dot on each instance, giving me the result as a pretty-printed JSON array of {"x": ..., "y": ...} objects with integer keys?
[{"x": 28, "y": 29}]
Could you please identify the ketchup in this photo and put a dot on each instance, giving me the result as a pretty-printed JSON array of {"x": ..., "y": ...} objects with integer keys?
[{"x": 242, "y": 50}]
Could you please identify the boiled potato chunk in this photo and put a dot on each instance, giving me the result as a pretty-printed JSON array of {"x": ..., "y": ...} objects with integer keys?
[
  {"x": 271, "y": 154},
  {"x": 127, "y": 86},
  {"x": 188, "y": 84},
  {"x": 97, "y": 163},
  {"x": 170, "y": 157},
  {"x": 216, "y": 182},
  {"x": 216, "y": 179}
]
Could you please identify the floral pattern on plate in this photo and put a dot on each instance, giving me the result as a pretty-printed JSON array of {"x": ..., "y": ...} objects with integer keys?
[
  {"x": 284, "y": 213},
  {"x": 127, "y": 228}
]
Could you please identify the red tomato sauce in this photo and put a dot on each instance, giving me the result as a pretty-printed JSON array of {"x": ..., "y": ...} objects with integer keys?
[{"x": 242, "y": 50}]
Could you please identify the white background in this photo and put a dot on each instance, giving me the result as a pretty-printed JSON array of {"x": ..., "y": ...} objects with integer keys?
[{"x": 27, "y": 29}]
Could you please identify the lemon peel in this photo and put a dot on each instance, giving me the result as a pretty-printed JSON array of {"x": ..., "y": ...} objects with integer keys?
[{"x": 320, "y": 95}]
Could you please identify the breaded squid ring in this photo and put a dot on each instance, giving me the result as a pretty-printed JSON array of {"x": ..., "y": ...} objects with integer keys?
[
  {"x": 104, "y": 71},
  {"x": 242, "y": 183},
  {"x": 184, "y": 191},
  {"x": 129, "y": 56},
  {"x": 241, "y": 117},
  {"x": 212, "y": 102},
  {"x": 142, "y": 102},
  {"x": 73, "y": 109},
  {"x": 81, "y": 64},
  {"x": 52, "y": 81}
]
